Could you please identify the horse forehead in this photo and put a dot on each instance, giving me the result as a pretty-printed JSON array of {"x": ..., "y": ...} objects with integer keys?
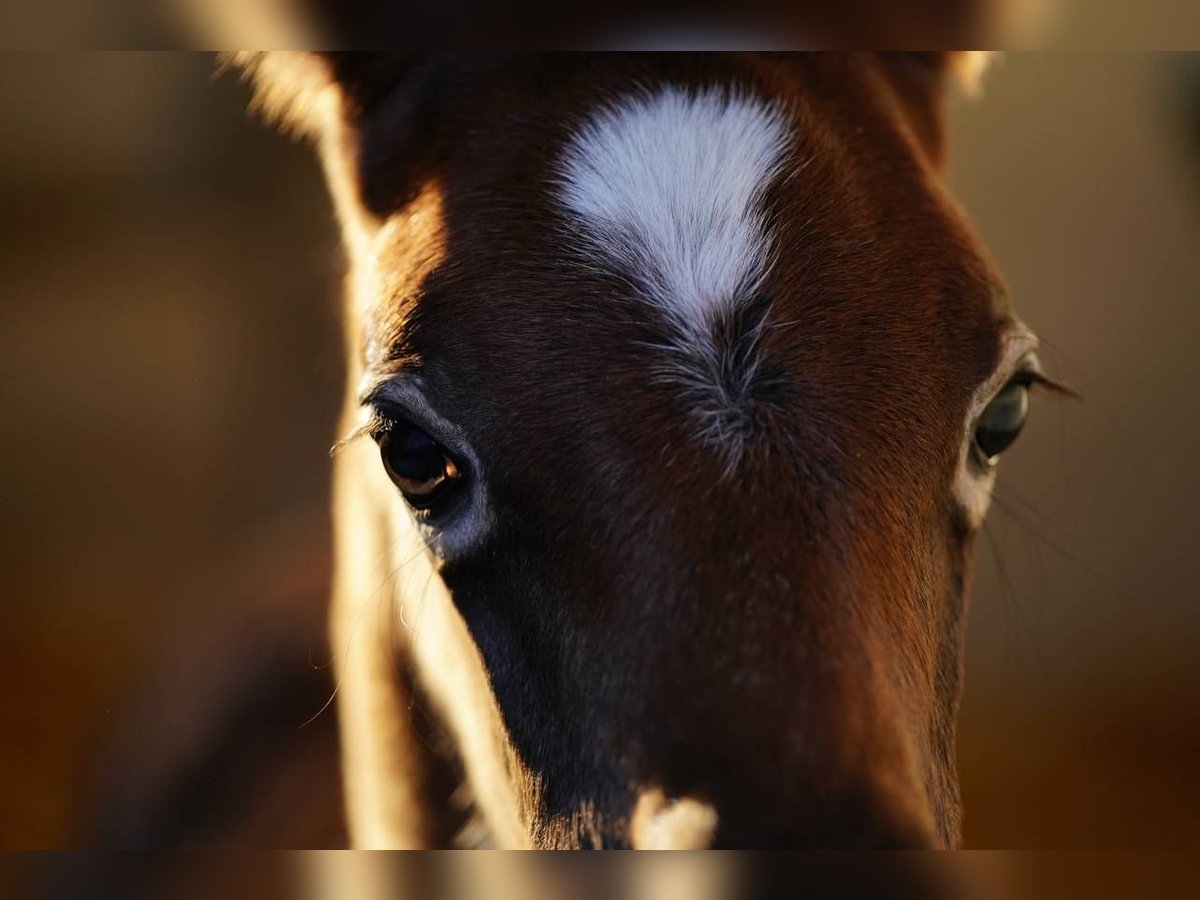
[{"x": 656, "y": 218}]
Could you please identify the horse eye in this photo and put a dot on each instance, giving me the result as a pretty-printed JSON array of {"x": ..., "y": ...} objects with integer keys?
[
  {"x": 1002, "y": 421},
  {"x": 417, "y": 465}
]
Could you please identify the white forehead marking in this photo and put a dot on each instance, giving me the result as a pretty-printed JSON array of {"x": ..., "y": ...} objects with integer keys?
[{"x": 668, "y": 187}]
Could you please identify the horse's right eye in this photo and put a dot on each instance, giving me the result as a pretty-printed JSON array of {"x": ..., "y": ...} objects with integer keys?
[{"x": 418, "y": 465}]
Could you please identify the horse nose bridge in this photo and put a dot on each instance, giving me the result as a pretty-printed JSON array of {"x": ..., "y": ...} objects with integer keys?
[
  {"x": 794, "y": 753},
  {"x": 767, "y": 705}
]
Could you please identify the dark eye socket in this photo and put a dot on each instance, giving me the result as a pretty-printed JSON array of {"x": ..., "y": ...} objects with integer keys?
[
  {"x": 418, "y": 465},
  {"x": 1001, "y": 422}
]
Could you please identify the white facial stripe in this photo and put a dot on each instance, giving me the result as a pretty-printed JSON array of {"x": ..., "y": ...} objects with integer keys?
[
  {"x": 668, "y": 187},
  {"x": 973, "y": 487}
]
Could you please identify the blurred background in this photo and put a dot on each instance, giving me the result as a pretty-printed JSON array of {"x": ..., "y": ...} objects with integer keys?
[{"x": 169, "y": 385}]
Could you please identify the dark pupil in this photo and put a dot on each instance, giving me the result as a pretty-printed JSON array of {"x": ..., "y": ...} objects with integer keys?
[
  {"x": 1002, "y": 421},
  {"x": 414, "y": 460}
]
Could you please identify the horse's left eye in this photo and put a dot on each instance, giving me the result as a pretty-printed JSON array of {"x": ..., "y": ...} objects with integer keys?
[
  {"x": 1001, "y": 422},
  {"x": 418, "y": 465}
]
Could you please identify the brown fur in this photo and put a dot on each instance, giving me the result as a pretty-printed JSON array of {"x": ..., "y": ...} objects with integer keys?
[{"x": 782, "y": 641}]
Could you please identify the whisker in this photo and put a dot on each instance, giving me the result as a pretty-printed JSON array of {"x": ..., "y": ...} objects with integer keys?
[
  {"x": 1013, "y": 608},
  {"x": 361, "y": 607},
  {"x": 1098, "y": 578},
  {"x": 324, "y": 706},
  {"x": 1025, "y": 504}
]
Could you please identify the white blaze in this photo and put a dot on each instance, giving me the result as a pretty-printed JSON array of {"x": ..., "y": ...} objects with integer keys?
[{"x": 668, "y": 189}]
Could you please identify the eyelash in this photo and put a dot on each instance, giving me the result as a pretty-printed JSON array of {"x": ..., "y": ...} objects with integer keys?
[
  {"x": 377, "y": 425},
  {"x": 1035, "y": 378}
]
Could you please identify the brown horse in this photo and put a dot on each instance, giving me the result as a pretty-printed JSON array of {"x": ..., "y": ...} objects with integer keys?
[{"x": 676, "y": 389}]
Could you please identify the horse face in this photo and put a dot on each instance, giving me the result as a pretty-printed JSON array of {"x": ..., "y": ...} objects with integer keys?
[{"x": 692, "y": 380}]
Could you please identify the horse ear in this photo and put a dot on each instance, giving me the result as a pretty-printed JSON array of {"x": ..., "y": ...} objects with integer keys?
[
  {"x": 915, "y": 23},
  {"x": 296, "y": 88},
  {"x": 293, "y": 89},
  {"x": 375, "y": 117},
  {"x": 921, "y": 82},
  {"x": 301, "y": 89},
  {"x": 967, "y": 68}
]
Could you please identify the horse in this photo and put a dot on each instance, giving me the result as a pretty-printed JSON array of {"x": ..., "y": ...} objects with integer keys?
[{"x": 676, "y": 386}]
